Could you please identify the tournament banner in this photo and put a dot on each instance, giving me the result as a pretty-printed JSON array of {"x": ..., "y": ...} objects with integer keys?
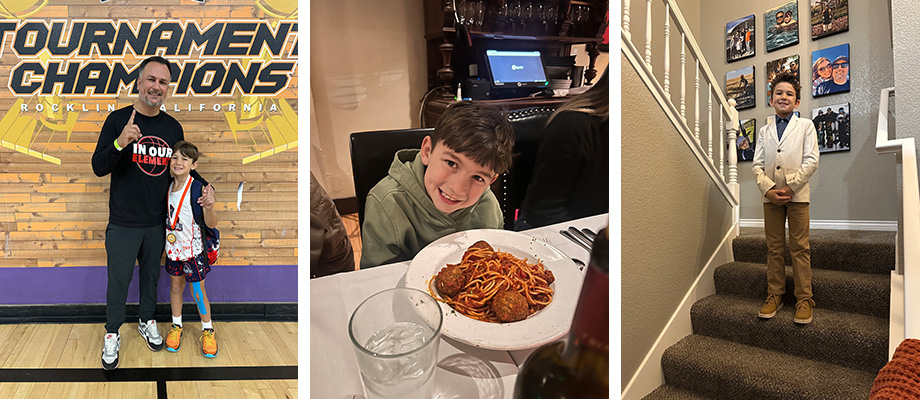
[{"x": 65, "y": 65}]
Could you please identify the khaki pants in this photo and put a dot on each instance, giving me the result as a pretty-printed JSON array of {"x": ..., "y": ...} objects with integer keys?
[{"x": 774, "y": 220}]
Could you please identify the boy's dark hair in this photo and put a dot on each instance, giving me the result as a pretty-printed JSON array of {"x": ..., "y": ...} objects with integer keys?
[
  {"x": 478, "y": 131},
  {"x": 156, "y": 59},
  {"x": 788, "y": 78},
  {"x": 187, "y": 149}
]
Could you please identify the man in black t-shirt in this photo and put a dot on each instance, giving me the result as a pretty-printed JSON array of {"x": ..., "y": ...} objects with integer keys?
[{"x": 135, "y": 146}]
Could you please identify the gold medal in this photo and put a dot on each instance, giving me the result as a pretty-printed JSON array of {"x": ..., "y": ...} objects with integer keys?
[{"x": 171, "y": 238}]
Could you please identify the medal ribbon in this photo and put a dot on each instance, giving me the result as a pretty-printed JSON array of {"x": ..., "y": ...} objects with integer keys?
[{"x": 179, "y": 208}]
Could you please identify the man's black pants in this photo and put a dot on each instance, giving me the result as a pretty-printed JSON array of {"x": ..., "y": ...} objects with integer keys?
[{"x": 123, "y": 246}]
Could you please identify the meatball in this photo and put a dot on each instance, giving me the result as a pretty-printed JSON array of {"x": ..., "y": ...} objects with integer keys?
[
  {"x": 451, "y": 280},
  {"x": 480, "y": 244},
  {"x": 509, "y": 306},
  {"x": 548, "y": 275}
]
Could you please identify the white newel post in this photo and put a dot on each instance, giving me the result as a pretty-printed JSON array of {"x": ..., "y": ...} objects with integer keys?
[{"x": 732, "y": 128}]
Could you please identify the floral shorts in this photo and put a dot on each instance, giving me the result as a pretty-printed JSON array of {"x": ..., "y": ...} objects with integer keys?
[{"x": 195, "y": 269}]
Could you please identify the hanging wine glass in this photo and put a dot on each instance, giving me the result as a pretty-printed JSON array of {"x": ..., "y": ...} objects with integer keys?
[
  {"x": 480, "y": 8},
  {"x": 552, "y": 19},
  {"x": 526, "y": 17},
  {"x": 515, "y": 16}
]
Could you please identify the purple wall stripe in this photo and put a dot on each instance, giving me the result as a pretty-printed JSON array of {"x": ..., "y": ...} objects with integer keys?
[{"x": 86, "y": 285}]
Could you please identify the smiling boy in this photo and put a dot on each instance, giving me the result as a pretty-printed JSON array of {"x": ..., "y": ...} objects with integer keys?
[
  {"x": 441, "y": 188},
  {"x": 785, "y": 158}
]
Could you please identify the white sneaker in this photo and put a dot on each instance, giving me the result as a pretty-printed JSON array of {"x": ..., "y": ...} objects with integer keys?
[
  {"x": 151, "y": 334},
  {"x": 110, "y": 351}
]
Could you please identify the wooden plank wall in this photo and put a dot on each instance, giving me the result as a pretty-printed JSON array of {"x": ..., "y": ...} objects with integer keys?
[{"x": 56, "y": 214}]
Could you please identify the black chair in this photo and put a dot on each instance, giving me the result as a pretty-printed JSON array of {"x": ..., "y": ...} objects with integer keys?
[
  {"x": 371, "y": 156},
  {"x": 528, "y": 127}
]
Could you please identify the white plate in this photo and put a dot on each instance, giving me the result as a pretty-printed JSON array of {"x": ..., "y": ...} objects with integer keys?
[{"x": 544, "y": 326}]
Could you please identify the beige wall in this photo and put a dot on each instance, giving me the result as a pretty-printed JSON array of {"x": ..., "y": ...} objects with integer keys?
[
  {"x": 858, "y": 185},
  {"x": 905, "y": 15},
  {"x": 673, "y": 219},
  {"x": 367, "y": 63}
]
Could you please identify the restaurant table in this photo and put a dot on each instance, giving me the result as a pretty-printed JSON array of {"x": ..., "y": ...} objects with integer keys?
[{"x": 463, "y": 371}]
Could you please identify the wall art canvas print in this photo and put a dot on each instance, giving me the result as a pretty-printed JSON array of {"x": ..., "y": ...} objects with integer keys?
[
  {"x": 833, "y": 126},
  {"x": 830, "y": 70},
  {"x": 739, "y": 38},
  {"x": 782, "y": 26},
  {"x": 746, "y": 142},
  {"x": 786, "y": 64},
  {"x": 739, "y": 85},
  {"x": 829, "y": 17}
]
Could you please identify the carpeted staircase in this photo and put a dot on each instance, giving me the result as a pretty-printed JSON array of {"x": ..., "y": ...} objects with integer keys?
[{"x": 733, "y": 354}]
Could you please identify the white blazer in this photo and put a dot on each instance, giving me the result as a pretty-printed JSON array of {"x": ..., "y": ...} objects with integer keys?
[{"x": 790, "y": 161}]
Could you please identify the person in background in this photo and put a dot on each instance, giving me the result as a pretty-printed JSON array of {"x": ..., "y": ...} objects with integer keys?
[
  {"x": 440, "y": 189},
  {"x": 330, "y": 250},
  {"x": 571, "y": 174},
  {"x": 785, "y": 158}
]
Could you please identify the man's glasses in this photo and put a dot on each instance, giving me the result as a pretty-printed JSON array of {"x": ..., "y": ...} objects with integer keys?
[{"x": 841, "y": 65}]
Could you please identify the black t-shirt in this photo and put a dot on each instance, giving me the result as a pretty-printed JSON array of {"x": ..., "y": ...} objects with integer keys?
[
  {"x": 571, "y": 175},
  {"x": 140, "y": 171}
]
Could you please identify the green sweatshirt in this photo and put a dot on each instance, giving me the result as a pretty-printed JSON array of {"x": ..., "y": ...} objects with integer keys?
[{"x": 400, "y": 219}]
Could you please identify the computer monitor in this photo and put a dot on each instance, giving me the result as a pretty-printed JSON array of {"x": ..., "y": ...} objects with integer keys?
[{"x": 516, "y": 69}]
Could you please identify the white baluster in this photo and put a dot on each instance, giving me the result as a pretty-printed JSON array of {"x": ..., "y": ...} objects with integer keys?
[
  {"x": 626, "y": 19},
  {"x": 683, "y": 77},
  {"x": 648, "y": 34},
  {"x": 722, "y": 148},
  {"x": 709, "y": 125},
  {"x": 667, "y": 50},
  {"x": 696, "y": 106}
]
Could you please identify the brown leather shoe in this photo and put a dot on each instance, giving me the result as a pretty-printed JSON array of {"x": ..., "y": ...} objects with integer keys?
[
  {"x": 803, "y": 311},
  {"x": 770, "y": 306}
]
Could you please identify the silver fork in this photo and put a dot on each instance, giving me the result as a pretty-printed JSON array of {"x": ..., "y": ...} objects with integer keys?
[
  {"x": 579, "y": 263},
  {"x": 579, "y": 234}
]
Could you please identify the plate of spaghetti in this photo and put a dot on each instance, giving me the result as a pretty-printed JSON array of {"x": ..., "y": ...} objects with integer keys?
[{"x": 499, "y": 290}]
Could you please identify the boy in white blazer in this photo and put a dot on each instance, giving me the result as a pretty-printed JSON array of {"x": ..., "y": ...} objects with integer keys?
[{"x": 785, "y": 158}]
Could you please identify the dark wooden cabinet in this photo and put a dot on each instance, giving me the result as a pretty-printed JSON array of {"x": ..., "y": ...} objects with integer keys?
[{"x": 458, "y": 32}]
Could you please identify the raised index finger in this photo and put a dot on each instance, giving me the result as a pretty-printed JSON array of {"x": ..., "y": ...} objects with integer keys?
[{"x": 131, "y": 120}]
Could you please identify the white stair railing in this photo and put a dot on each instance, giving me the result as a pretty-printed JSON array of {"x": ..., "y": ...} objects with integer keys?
[
  {"x": 705, "y": 143},
  {"x": 910, "y": 241}
]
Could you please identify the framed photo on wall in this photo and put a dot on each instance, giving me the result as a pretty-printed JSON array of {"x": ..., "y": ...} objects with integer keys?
[
  {"x": 830, "y": 70},
  {"x": 786, "y": 64},
  {"x": 746, "y": 142},
  {"x": 829, "y": 17},
  {"x": 833, "y": 126},
  {"x": 739, "y": 38},
  {"x": 782, "y": 26},
  {"x": 739, "y": 85}
]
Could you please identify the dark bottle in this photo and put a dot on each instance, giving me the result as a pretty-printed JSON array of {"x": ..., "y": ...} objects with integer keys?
[{"x": 578, "y": 366}]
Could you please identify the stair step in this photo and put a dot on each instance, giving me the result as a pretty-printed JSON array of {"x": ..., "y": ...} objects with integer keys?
[
  {"x": 856, "y": 251},
  {"x": 722, "y": 369},
  {"x": 854, "y": 292},
  {"x": 667, "y": 392},
  {"x": 850, "y": 340}
]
